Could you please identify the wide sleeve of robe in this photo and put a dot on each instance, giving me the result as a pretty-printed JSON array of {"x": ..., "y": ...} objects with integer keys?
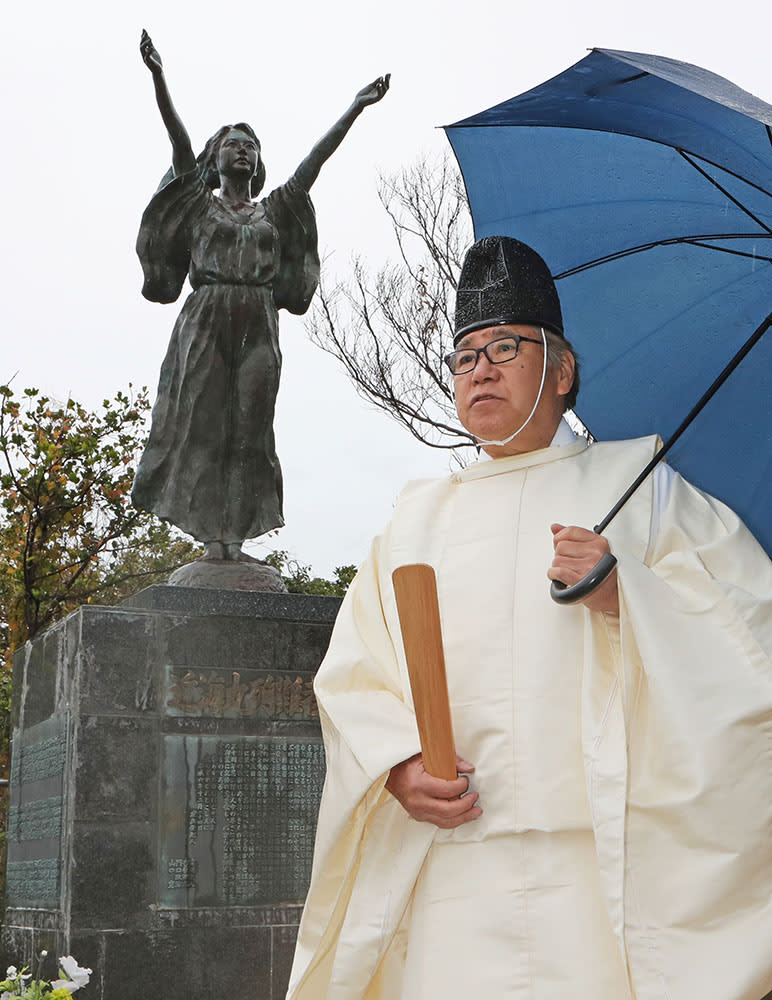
[
  {"x": 690, "y": 862},
  {"x": 166, "y": 234},
  {"x": 368, "y": 851},
  {"x": 291, "y": 212}
]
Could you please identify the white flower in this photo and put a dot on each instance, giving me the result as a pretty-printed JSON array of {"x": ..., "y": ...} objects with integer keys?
[
  {"x": 10, "y": 972},
  {"x": 78, "y": 976}
]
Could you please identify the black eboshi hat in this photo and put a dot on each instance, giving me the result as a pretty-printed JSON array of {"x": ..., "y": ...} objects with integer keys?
[{"x": 504, "y": 281}]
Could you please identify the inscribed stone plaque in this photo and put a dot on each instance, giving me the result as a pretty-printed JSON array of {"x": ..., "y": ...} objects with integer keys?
[
  {"x": 245, "y": 694},
  {"x": 35, "y": 815},
  {"x": 238, "y": 817}
]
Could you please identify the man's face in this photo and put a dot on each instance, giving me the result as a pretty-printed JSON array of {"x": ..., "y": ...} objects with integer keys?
[{"x": 494, "y": 400}]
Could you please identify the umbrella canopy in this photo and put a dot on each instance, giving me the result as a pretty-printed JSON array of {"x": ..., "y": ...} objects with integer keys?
[{"x": 646, "y": 185}]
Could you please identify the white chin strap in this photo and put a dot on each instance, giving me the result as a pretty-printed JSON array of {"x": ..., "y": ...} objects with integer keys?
[{"x": 527, "y": 420}]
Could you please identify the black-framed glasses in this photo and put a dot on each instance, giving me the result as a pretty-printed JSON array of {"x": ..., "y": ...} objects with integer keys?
[{"x": 498, "y": 352}]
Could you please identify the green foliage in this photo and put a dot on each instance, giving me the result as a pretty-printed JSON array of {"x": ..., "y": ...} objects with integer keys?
[
  {"x": 68, "y": 533},
  {"x": 299, "y": 580}
]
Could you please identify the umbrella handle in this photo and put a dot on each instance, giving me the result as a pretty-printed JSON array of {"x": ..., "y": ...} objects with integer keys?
[{"x": 561, "y": 593}]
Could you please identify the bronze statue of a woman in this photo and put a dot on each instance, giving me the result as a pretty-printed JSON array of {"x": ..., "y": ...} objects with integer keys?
[{"x": 210, "y": 464}]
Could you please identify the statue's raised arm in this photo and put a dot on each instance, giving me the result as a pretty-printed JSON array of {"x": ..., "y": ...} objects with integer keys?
[
  {"x": 309, "y": 169},
  {"x": 183, "y": 158},
  {"x": 210, "y": 464}
]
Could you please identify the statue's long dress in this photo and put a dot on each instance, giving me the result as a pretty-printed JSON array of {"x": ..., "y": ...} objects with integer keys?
[{"x": 210, "y": 465}]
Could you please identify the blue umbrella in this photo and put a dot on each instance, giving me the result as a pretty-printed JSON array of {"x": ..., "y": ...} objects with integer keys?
[{"x": 646, "y": 185}]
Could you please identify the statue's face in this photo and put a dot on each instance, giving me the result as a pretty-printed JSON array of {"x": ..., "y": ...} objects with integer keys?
[{"x": 237, "y": 155}]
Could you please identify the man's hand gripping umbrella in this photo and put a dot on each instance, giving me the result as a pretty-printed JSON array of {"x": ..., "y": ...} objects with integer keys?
[{"x": 579, "y": 591}]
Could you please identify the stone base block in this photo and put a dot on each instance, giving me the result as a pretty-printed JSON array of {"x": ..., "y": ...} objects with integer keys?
[{"x": 167, "y": 767}]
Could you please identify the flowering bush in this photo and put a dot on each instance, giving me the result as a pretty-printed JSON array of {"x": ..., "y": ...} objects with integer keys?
[{"x": 21, "y": 984}]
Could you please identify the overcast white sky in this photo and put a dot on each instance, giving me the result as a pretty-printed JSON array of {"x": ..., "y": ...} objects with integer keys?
[{"x": 85, "y": 149}]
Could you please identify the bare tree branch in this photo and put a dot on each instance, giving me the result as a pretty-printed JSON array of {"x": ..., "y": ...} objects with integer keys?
[{"x": 390, "y": 330}]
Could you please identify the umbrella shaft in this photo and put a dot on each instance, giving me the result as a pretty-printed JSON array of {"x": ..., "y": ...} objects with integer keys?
[{"x": 754, "y": 338}]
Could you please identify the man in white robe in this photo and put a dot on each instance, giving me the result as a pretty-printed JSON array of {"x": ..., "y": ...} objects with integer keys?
[{"x": 610, "y": 834}]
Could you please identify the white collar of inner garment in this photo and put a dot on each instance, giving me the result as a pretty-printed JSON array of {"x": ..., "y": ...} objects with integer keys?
[{"x": 563, "y": 436}]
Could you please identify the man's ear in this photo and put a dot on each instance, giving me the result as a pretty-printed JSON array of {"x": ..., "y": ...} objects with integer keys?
[{"x": 566, "y": 373}]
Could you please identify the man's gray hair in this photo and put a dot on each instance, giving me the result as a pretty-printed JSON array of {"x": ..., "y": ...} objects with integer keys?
[{"x": 557, "y": 348}]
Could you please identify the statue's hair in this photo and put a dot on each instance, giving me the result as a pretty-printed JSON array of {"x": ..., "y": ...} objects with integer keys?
[{"x": 207, "y": 159}]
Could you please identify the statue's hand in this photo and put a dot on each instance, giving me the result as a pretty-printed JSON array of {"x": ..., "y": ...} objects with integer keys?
[
  {"x": 149, "y": 53},
  {"x": 373, "y": 92}
]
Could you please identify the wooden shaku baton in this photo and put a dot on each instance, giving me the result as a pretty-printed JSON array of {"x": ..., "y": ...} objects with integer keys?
[{"x": 415, "y": 588}]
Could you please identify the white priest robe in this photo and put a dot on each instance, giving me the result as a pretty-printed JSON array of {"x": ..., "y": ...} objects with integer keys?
[{"x": 624, "y": 764}]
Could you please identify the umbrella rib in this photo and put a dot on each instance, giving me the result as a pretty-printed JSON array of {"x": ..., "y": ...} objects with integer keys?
[
  {"x": 709, "y": 393},
  {"x": 723, "y": 190},
  {"x": 620, "y": 254},
  {"x": 737, "y": 253},
  {"x": 611, "y": 84}
]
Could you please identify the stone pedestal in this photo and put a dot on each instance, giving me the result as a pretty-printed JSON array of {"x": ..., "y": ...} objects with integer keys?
[{"x": 167, "y": 768}]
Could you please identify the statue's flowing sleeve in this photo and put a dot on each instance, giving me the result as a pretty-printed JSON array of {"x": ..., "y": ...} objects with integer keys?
[
  {"x": 166, "y": 232},
  {"x": 291, "y": 212}
]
